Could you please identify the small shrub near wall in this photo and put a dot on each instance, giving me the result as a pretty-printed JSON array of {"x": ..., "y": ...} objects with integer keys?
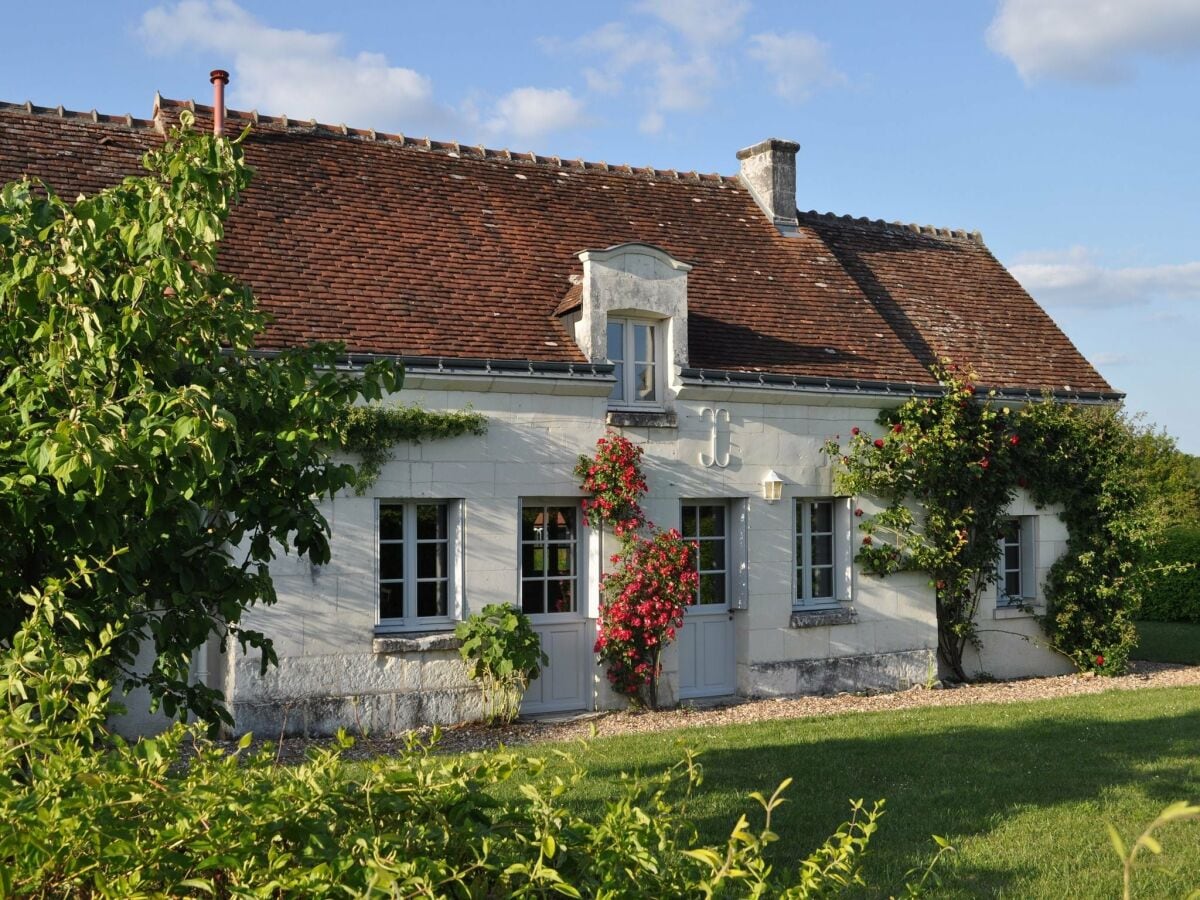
[{"x": 1174, "y": 596}]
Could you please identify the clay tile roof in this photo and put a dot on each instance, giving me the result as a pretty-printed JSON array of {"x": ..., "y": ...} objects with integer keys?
[{"x": 410, "y": 246}]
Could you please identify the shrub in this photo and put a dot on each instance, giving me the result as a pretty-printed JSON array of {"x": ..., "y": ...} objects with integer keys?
[
  {"x": 1174, "y": 595},
  {"x": 503, "y": 653},
  {"x": 178, "y": 816}
]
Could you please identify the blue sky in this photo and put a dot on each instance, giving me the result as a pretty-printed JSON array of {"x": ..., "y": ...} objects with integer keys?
[{"x": 1067, "y": 131}]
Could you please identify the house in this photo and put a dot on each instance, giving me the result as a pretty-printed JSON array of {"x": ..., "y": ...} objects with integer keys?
[{"x": 702, "y": 316}]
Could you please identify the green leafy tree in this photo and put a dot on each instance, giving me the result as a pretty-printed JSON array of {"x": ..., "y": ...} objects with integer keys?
[
  {"x": 135, "y": 415},
  {"x": 946, "y": 469}
]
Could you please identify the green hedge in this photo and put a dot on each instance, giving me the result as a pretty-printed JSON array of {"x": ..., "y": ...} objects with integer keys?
[{"x": 1175, "y": 596}]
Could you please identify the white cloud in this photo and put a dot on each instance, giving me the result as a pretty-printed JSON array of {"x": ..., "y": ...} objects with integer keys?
[
  {"x": 312, "y": 75},
  {"x": 291, "y": 71},
  {"x": 1091, "y": 40},
  {"x": 798, "y": 62},
  {"x": 1110, "y": 360},
  {"x": 700, "y": 22},
  {"x": 1074, "y": 278},
  {"x": 531, "y": 112}
]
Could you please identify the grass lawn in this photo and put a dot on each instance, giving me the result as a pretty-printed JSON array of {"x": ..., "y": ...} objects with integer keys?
[
  {"x": 1023, "y": 790},
  {"x": 1177, "y": 642}
]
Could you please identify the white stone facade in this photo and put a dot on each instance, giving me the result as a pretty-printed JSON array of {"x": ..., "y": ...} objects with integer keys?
[{"x": 336, "y": 669}]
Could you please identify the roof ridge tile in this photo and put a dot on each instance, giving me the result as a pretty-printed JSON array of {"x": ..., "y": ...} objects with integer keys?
[{"x": 961, "y": 234}]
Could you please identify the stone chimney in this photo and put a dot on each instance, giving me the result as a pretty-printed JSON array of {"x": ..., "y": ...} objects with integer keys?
[{"x": 769, "y": 173}]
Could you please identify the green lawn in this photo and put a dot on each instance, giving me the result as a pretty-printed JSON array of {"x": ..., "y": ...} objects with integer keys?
[
  {"x": 1023, "y": 791},
  {"x": 1177, "y": 642}
]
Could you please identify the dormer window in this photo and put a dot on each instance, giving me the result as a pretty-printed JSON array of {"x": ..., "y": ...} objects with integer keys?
[{"x": 633, "y": 351}]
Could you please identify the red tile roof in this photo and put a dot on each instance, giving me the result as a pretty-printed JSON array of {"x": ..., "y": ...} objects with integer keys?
[{"x": 404, "y": 246}]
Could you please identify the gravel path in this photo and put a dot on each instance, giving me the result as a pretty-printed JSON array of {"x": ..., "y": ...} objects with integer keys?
[{"x": 478, "y": 737}]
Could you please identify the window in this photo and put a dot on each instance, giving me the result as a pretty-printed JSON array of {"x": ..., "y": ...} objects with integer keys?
[
  {"x": 1015, "y": 579},
  {"x": 815, "y": 559},
  {"x": 633, "y": 351},
  {"x": 416, "y": 586},
  {"x": 706, "y": 526},
  {"x": 549, "y": 559}
]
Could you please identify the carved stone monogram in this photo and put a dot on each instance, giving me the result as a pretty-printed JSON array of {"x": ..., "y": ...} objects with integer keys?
[{"x": 714, "y": 458}]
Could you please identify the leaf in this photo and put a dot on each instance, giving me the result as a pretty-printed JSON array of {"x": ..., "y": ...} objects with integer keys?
[{"x": 1117, "y": 844}]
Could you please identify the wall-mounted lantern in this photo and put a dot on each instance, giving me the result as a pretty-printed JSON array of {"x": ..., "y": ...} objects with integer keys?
[{"x": 772, "y": 487}]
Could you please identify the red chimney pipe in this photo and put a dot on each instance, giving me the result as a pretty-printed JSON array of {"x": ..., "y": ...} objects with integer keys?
[{"x": 219, "y": 78}]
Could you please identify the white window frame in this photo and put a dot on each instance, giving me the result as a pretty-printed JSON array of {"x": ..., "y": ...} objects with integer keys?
[
  {"x": 727, "y": 542},
  {"x": 628, "y": 381},
  {"x": 802, "y": 567},
  {"x": 410, "y": 621},
  {"x": 577, "y": 561},
  {"x": 1026, "y": 570}
]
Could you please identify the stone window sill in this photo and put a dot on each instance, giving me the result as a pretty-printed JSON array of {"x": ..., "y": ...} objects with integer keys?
[
  {"x": 636, "y": 418},
  {"x": 817, "y": 618},
  {"x": 416, "y": 642},
  {"x": 1018, "y": 612}
]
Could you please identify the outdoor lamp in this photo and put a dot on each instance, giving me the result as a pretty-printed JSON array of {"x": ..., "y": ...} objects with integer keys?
[{"x": 772, "y": 486}]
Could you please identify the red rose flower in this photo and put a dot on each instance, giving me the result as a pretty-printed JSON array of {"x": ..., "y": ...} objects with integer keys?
[
  {"x": 984, "y": 463},
  {"x": 898, "y": 427},
  {"x": 867, "y": 541},
  {"x": 858, "y": 512},
  {"x": 855, "y": 430},
  {"x": 1099, "y": 659},
  {"x": 879, "y": 443},
  {"x": 1014, "y": 440}
]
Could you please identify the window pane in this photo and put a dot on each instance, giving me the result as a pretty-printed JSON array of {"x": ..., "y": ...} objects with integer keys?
[
  {"x": 618, "y": 391},
  {"x": 822, "y": 583},
  {"x": 712, "y": 589},
  {"x": 431, "y": 599},
  {"x": 533, "y": 560},
  {"x": 391, "y": 523},
  {"x": 391, "y": 561},
  {"x": 391, "y": 601},
  {"x": 689, "y": 521},
  {"x": 644, "y": 382},
  {"x": 561, "y": 559},
  {"x": 533, "y": 595},
  {"x": 1012, "y": 584},
  {"x": 560, "y": 596},
  {"x": 616, "y": 341},
  {"x": 532, "y": 524},
  {"x": 712, "y": 521},
  {"x": 431, "y": 560},
  {"x": 822, "y": 550},
  {"x": 822, "y": 517},
  {"x": 643, "y": 343},
  {"x": 712, "y": 555},
  {"x": 1012, "y": 557},
  {"x": 431, "y": 520},
  {"x": 562, "y": 523}
]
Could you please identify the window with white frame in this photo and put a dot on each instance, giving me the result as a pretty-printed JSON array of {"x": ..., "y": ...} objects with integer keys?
[
  {"x": 417, "y": 584},
  {"x": 816, "y": 553},
  {"x": 549, "y": 558},
  {"x": 1016, "y": 580},
  {"x": 633, "y": 351},
  {"x": 706, "y": 525}
]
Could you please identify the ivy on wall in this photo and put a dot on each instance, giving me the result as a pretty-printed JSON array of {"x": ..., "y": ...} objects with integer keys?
[{"x": 372, "y": 431}]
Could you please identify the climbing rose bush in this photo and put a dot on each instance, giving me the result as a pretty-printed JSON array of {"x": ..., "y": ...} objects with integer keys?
[
  {"x": 613, "y": 478},
  {"x": 642, "y": 608}
]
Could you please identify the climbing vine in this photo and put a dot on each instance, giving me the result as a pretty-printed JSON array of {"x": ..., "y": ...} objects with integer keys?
[
  {"x": 655, "y": 578},
  {"x": 372, "y": 431},
  {"x": 946, "y": 470}
]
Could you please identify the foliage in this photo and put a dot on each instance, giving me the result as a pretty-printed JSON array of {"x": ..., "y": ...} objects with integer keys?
[
  {"x": 642, "y": 608},
  {"x": 946, "y": 470},
  {"x": 503, "y": 653},
  {"x": 952, "y": 457},
  {"x": 179, "y": 816},
  {"x": 1172, "y": 476},
  {"x": 371, "y": 432},
  {"x": 1176, "y": 812},
  {"x": 613, "y": 478},
  {"x": 134, "y": 415},
  {"x": 655, "y": 578},
  {"x": 1173, "y": 642},
  {"x": 1091, "y": 462},
  {"x": 1174, "y": 596}
]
